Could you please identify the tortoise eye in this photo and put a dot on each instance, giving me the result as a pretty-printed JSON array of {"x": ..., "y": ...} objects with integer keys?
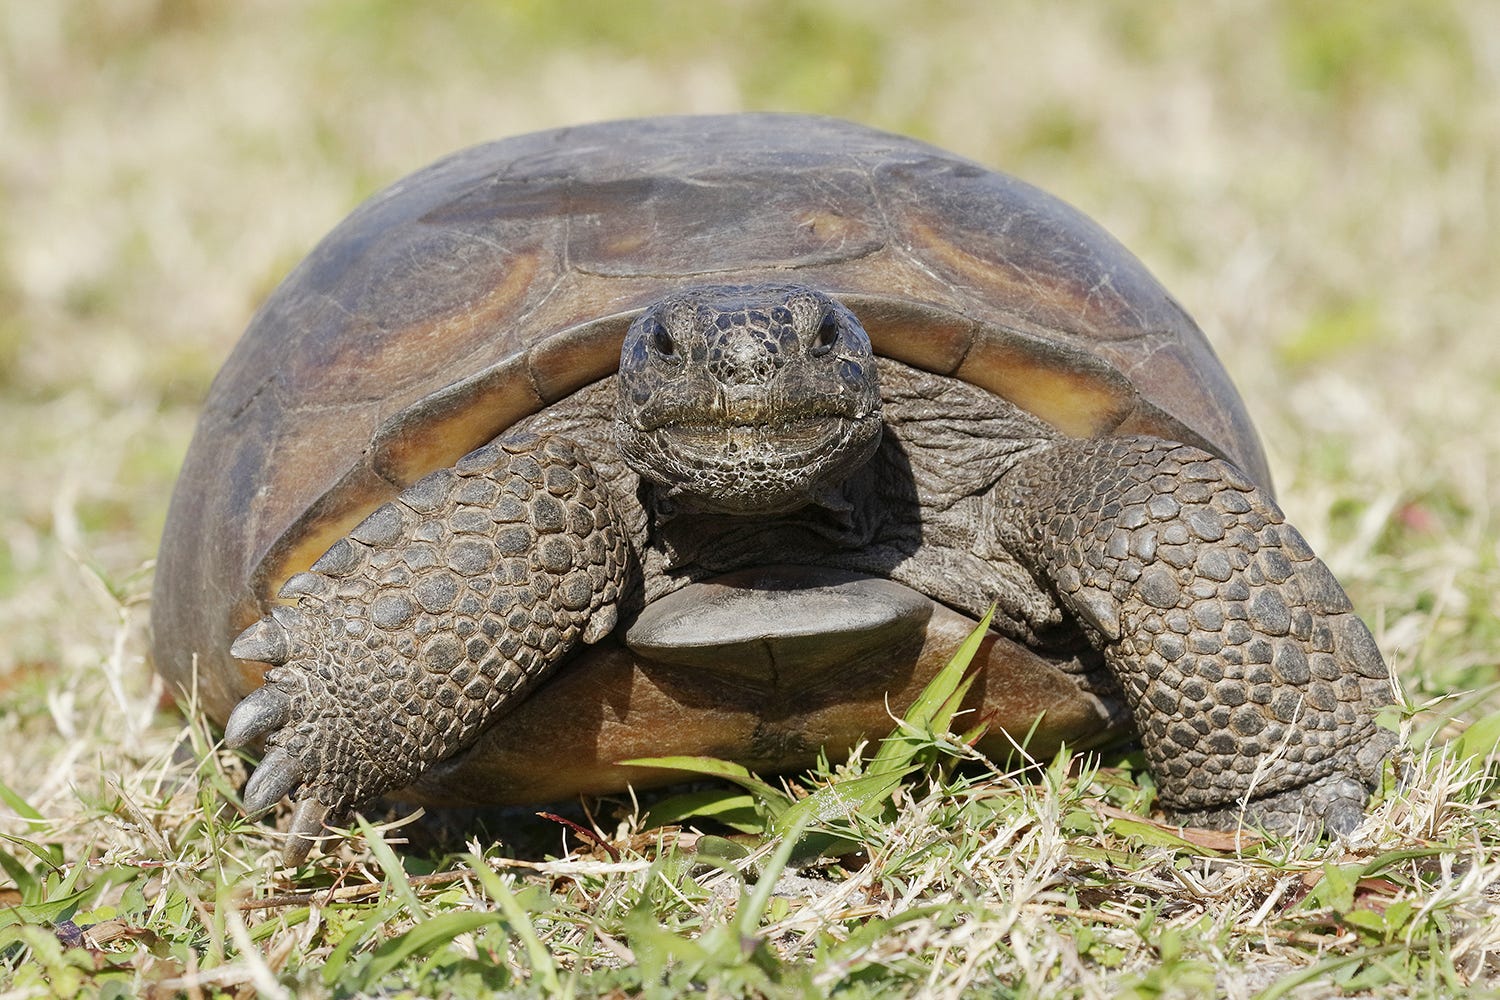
[
  {"x": 660, "y": 339},
  {"x": 827, "y": 336}
]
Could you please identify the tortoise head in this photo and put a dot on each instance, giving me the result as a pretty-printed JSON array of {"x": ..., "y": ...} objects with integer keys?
[{"x": 747, "y": 399}]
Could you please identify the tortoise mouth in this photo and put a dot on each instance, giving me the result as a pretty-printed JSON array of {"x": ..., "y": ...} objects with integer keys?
[
  {"x": 790, "y": 443},
  {"x": 751, "y": 468}
]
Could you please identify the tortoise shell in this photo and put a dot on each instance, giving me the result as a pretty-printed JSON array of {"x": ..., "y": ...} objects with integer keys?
[{"x": 501, "y": 279}]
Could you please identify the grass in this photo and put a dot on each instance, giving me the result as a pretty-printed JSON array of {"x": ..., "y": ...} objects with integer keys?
[{"x": 1318, "y": 186}]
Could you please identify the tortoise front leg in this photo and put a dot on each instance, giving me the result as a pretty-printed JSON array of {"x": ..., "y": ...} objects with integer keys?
[
  {"x": 435, "y": 615},
  {"x": 1253, "y": 684}
]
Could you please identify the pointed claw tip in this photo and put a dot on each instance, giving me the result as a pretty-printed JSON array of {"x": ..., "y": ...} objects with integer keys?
[
  {"x": 265, "y": 641},
  {"x": 601, "y": 624},
  {"x": 295, "y": 851},
  {"x": 313, "y": 585},
  {"x": 279, "y": 772},
  {"x": 308, "y": 818},
  {"x": 1342, "y": 821},
  {"x": 262, "y": 712},
  {"x": 302, "y": 835}
]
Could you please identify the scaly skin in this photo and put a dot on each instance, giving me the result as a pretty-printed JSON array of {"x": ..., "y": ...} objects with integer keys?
[
  {"x": 437, "y": 612},
  {"x": 1253, "y": 683}
]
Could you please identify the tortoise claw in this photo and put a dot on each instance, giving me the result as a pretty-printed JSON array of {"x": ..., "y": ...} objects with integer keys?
[
  {"x": 1332, "y": 806},
  {"x": 1337, "y": 803},
  {"x": 313, "y": 585},
  {"x": 261, "y": 713},
  {"x": 307, "y": 826},
  {"x": 279, "y": 772},
  {"x": 266, "y": 641},
  {"x": 1344, "y": 819}
]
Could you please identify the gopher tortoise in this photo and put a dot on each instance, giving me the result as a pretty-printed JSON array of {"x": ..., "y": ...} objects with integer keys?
[{"x": 716, "y": 435}]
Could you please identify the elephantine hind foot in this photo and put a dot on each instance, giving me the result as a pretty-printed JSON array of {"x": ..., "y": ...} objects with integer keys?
[
  {"x": 1331, "y": 805},
  {"x": 415, "y": 632}
]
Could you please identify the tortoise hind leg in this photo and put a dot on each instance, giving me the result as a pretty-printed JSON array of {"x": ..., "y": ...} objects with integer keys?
[
  {"x": 1253, "y": 684},
  {"x": 437, "y": 613}
]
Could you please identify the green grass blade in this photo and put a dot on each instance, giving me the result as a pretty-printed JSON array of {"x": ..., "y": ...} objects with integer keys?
[
  {"x": 769, "y": 795},
  {"x": 1480, "y": 740},
  {"x": 1426, "y": 725},
  {"x": 1149, "y": 833},
  {"x": 23, "y": 879},
  {"x": 933, "y": 710},
  {"x": 655, "y": 947},
  {"x": 734, "y": 809},
  {"x": 841, "y": 799},
  {"x": 543, "y": 966},
  {"x": 333, "y": 966},
  {"x": 927, "y": 710},
  {"x": 424, "y": 938},
  {"x": 390, "y": 865},
  {"x": 749, "y": 915},
  {"x": 18, "y": 804},
  {"x": 1322, "y": 970},
  {"x": 929, "y": 717}
]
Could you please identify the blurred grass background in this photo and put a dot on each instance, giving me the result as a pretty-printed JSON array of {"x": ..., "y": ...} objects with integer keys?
[{"x": 1317, "y": 183}]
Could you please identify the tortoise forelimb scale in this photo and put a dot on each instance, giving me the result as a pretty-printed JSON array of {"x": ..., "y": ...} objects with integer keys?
[
  {"x": 416, "y": 631},
  {"x": 1253, "y": 684}
]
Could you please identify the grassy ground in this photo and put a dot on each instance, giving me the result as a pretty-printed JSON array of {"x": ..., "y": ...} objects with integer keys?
[{"x": 1319, "y": 184}]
